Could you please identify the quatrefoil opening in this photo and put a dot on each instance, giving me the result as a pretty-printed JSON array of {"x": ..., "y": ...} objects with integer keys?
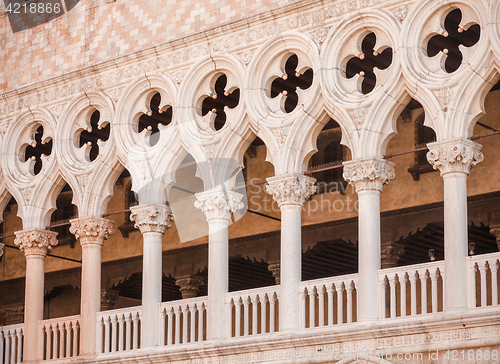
[
  {"x": 364, "y": 64},
  {"x": 454, "y": 37},
  {"x": 93, "y": 138},
  {"x": 154, "y": 119},
  {"x": 288, "y": 84},
  {"x": 38, "y": 150},
  {"x": 218, "y": 101}
]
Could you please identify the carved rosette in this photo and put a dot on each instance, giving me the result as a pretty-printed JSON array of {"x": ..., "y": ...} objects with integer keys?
[
  {"x": 218, "y": 203},
  {"x": 368, "y": 174},
  {"x": 91, "y": 230},
  {"x": 189, "y": 286},
  {"x": 151, "y": 218},
  {"x": 293, "y": 189},
  {"x": 454, "y": 156},
  {"x": 35, "y": 241}
]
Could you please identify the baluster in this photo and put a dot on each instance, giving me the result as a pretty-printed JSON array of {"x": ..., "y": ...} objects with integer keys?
[
  {"x": 349, "y": 290},
  {"x": 237, "y": 317},
  {"x": 128, "y": 331},
  {"x": 192, "y": 311},
  {"x": 185, "y": 312},
  {"x": 392, "y": 288},
  {"x": 161, "y": 336},
  {"x": 7, "y": 347},
  {"x": 178, "y": 325},
  {"x": 201, "y": 322},
  {"x": 402, "y": 283},
  {"x": 329, "y": 292},
  {"x": 1, "y": 346},
  {"x": 312, "y": 307},
  {"x": 246, "y": 315},
  {"x": 100, "y": 330},
  {"x": 62, "y": 329},
  {"x": 302, "y": 296},
  {"x": 423, "y": 291},
  {"x": 272, "y": 313},
  {"x": 321, "y": 306},
  {"x": 107, "y": 333},
  {"x": 121, "y": 331},
  {"x": 68, "y": 339},
  {"x": 263, "y": 313},
  {"x": 255, "y": 318},
  {"x": 13, "y": 347},
  {"x": 135, "y": 334},
  {"x": 340, "y": 303},
  {"x": 54, "y": 341},
  {"x": 413, "y": 292},
  {"x": 75, "y": 338},
  {"x": 170, "y": 327},
  {"x": 19, "y": 346},
  {"x": 494, "y": 283},
  {"x": 114, "y": 332},
  {"x": 434, "y": 287},
  {"x": 382, "y": 291},
  {"x": 483, "y": 269}
]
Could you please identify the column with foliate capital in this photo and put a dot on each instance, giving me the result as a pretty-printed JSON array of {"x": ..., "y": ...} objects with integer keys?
[
  {"x": 368, "y": 176},
  {"x": 290, "y": 192},
  {"x": 454, "y": 159},
  {"x": 91, "y": 231},
  {"x": 152, "y": 221}
]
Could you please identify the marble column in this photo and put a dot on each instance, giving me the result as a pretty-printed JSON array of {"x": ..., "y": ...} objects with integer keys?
[
  {"x": 91, "y": 231},
  {"x": 189, "y": 286},
  {"x": 152, "y": 221},
  {"x": 35, "y": 244},
  {"x": 454, "y": 159},
  {"x": 368, "y": 176},
  {"x": 218, "y": 204},
  {"x": 290, "y": 192}
]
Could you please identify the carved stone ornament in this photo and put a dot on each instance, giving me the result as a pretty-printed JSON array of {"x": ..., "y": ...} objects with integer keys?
[
  {"x": 189, "y": 286},
  {"x": 108, "y": 298},
  {"x": 274, "y": 268},
  {"x": 2, "y": 245},
  {"x": 390, "y": 255},
  {"x": 151, "y": 218},
  {"x": 495, "y": 230},
  {"x": 14, "y": 314},
  {"x": 35, "y": 241},
  {"x": 218, "y": 203},
  {"x": 368, "y": 174},
  {"x": 292, "y": 189},
  {"x": 93, "y": 230},
  {"x": 454, "y": 156}
]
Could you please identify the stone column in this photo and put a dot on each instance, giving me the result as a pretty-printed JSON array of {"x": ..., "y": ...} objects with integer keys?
[
  {"x": 290, "y": 192},
  {"x": 189, "y": 286},
  {"x": 368, "y": 176},
  {"x": 91, "y": 231},
  {"x": 152, "y": 220},
  {"x": 454, "y": 159},
  {"x": 35, "y": 244},
  {"x": 217, "y": 205}
]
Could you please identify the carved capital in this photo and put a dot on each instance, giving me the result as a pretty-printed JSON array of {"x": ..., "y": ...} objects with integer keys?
[
  {"x": 151, "y": 218},
  {"x": 35, "y": 241},
  {"x": 390, "y": 255},
  {"x": 495, "y": 230},
  {"x": 454, "y": 156},
  {"x": 108, "y": 298},
  {"x": 91, "y": 230},
  {"x": 292, "y": 189},
  {"x": 368, "y": 174},
  {"x": 274, "y": 268},
  {"x": 189, "y": 286},
  {"x": 218, "y": 203}
]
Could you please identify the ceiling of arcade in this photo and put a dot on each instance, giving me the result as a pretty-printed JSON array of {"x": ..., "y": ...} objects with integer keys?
[{"x": 281, "y": 79}]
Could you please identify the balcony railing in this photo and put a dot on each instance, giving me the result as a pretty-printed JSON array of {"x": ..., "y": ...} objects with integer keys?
[
  {"x": 60, "y": 337},
  {"x": 11, "y": 344},
  {"x": 252, "y": 311},
  {"x": 336, "y": 294},
  {"x": 407, "y": 291},
  {"x": 183, "y": 321},
  {"x": 118, "y": 330},
  {"x": 401, "y": 288}
]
